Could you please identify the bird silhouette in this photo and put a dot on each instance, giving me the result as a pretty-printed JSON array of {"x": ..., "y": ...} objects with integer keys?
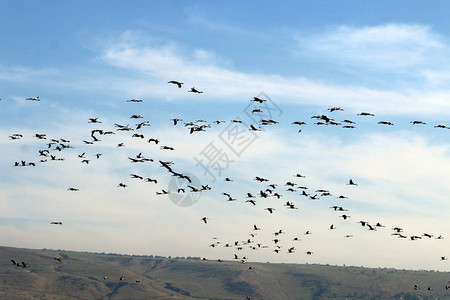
[
  {"x": 385, "y": 123},
  {"x": 441, "y": 126},
  {"x": 194, "y": 90},
  {"x": 298, "y": 123},
  {"x": 34, "y": 99},
  {"x": 417, "y": 122},
  {"x": 175, "y": 121},
  {"x": 94, "y": 120},
  {"x": 251, "y": 201},
  {"x": 177, "y": 83},
  {"x": 259, "y": 100},
  {"x": 166, "y": 148},
  {"x": 156, "y": 141},
  {"x": 163, "y": 192},
  {"x": 253, "y": 128},
  {"x": 335, "y": 109},
  {"x": 350, "y": 182}
]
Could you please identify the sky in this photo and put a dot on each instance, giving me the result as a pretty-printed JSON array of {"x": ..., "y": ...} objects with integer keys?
[{"x": 86, "y": 59}]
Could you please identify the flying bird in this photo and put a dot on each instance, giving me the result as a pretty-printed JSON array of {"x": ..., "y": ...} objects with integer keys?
[
  {"x": 259, "y": 100},
  {"x": 335, "y": 109},
  {"x": 34, "y": 99},
  {"x": 417, "y": 122},
  {"x": 350, "y": 182},
  {"x": 176, "y": 120},
  {"x": 385, "y": 123},
  {"x": 156, "y": 141},
  {"x": 253, "y": 128},
  {"x": 441, "y": 126},
  {"x": 298, "y": 123},
  {"x": 166, "y": 148},
  {"x": 142, "y": 124},
  {"x": 194, "y": 90},
  {"x": 163, "y": 192},
  {"x": 260, "y": 179},
  {"x": 251, "y": 201},
  {"x": 179, "y": 84},
  {"x": 94, "y": 120}
]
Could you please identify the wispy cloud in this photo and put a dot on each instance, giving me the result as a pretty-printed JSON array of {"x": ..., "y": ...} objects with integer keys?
[
  {"x": 22, "y": 74},
  {"x": 393, "y": 181},
  {"x": 203, "y": 69},
  {"x": 387, "y": 46},
  {"x": 150, "y": 63}
]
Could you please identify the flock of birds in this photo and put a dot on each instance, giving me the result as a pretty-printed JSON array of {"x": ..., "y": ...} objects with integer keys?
[{"x": 54, "y": 147}]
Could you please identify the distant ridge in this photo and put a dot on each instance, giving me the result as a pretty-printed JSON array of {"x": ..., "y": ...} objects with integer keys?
[{"x": 58, "y": 274}]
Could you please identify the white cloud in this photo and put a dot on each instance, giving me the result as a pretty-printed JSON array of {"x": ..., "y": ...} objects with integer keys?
[
  {"x": 21, "y": 73},
  {"x": 219, "y": 82},
  {"x": 388, "y": 46},
  {"x": 150, "y": 63},
  {"x": 393, "y": 175}
]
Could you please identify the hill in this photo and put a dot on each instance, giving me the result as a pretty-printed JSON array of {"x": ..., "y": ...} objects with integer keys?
[{"x": 81, "y": 275}]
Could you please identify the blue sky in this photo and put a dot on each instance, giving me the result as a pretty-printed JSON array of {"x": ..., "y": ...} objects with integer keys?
[{"x": 85, "y": 59}]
